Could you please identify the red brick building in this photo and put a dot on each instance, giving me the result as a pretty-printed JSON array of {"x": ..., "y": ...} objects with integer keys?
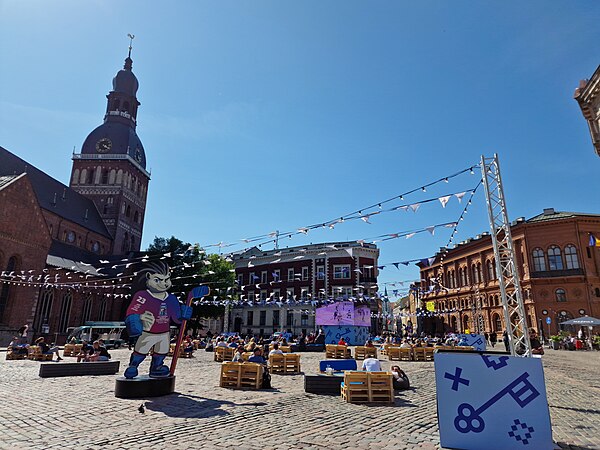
[
  {"x": 296, "y": 276},
  {"x": 53, "y": 236},
  {"x": 559, "y": 273}
]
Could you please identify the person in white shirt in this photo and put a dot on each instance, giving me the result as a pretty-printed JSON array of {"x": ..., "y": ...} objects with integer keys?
[
  {"x": 371, "y": 365},
  {"x": 276, "y": 350}
]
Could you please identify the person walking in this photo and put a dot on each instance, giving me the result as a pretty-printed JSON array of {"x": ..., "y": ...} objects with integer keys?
[
  {"x": 493, "y": 338},
  {"x": 505, "y": 340}
]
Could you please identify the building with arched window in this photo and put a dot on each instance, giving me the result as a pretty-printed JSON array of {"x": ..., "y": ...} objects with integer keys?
[
  {"x": 559, "y": 274},
  {"x": 49, "y": 229}
]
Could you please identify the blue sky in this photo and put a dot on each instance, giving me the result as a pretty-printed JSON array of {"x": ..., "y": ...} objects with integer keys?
[{"x": 267, "y": 115}]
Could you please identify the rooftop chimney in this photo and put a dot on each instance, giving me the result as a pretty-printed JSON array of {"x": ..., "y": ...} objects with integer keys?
[{"x": 549, "y": 211}]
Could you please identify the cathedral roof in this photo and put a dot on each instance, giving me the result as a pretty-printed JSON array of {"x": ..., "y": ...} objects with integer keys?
[
  {"x": 124, "y": 141},
  {"x": 54, "y": 196},
  {"x": 125, "y": 81}
]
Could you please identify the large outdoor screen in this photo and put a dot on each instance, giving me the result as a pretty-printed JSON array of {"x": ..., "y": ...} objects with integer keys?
[{"x": 344, "y": 313}]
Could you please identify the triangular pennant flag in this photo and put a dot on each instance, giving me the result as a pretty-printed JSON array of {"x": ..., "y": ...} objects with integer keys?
[
  {"x": 431, "y": 260},
  {"x": 365, "y": 219},
  {"x": 443, "y": 200},
  {"x": 303, "y": 230},
  {"x": 396, "y": 265},
  {"x": 415, "y": 206},
  {"x": 406, "y": 263},
  {"x": 431, "y": 230},
  {"x": 349, "y": 251},
  {"x": 409, "y": 235},
  {"x": 459, "y": 196}
]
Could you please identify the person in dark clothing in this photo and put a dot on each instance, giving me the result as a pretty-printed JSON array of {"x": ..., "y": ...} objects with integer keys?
[
  {"x": 493, "y": 338},
  {"x": 47, "y": 349},
  {"x": 505, "y": 340},
  {"x": 400, "y": 379}
]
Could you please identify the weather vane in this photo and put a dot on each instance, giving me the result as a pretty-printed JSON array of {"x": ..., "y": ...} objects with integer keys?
[{"x": 131, "y": 38}]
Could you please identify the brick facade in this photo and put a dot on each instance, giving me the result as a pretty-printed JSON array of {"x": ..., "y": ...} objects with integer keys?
[{"x": 559, "y": 273}]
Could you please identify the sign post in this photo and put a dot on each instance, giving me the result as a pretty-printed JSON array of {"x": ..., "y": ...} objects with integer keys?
[{"x": 548, "y": 321}]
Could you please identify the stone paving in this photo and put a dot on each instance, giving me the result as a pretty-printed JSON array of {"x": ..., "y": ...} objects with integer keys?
[{"x": 82, "y": 412}]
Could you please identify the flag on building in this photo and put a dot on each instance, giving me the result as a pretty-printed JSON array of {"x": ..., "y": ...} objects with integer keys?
[{"x": 594, "y": 241}]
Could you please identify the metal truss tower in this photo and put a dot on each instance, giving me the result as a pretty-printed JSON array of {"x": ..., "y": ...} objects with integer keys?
[{"x": 506, "y": 268}]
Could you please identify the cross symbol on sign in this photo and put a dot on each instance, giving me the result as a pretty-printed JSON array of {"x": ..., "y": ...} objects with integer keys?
[{"x": 456, "y": 379}]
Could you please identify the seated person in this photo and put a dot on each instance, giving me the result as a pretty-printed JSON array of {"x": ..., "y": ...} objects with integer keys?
[
  {"x": 369, "y": 344},
  {"x": 86, "y": 351},
  {"x": 276, "y": 350},
  {"x": 100, "y": 353},
  {"x": 188, "y": 345},
  {"x": 238, "y": 356},
  {"x": 47, "y": 349},
  {"x": 232, "y": 344},
  {"x": 342, "y": 341},
  {"x": 371, "y": 365},
  {"x": 16, "y": 346},
  {"x": 250, "y": 346},
  {"x": 258, "y": 358},
  {"x": 405, "y": 344},
  {"x": 400, "y": 379},
  {"x": 221, "y": 342}
]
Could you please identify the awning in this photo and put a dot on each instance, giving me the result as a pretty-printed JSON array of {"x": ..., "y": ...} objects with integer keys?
[{"x": 585, "y": 321}]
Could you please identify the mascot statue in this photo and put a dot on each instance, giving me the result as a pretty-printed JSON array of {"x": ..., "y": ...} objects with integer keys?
[{"x": 149, "y": 316}]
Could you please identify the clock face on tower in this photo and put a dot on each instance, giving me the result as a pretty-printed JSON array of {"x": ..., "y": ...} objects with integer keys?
[{"x": 103, "y": 145}]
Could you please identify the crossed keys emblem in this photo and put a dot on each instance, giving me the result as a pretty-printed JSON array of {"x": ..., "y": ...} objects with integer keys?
[{"x": 469, "y": 418}]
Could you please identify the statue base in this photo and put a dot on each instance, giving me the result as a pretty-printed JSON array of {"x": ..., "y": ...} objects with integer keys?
[{"x": 144, "y": 386}]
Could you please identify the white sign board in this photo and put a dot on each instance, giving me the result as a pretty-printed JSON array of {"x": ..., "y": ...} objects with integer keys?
[{"x": 488, "y": 401}]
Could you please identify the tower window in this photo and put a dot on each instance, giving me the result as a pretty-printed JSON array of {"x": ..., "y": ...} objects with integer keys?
[
  {"x": 104, "y": 176},
  {"x": 128, "y": 211},
  {"x": 90, "y": 177},
  {"x": 136, "y": 217}
]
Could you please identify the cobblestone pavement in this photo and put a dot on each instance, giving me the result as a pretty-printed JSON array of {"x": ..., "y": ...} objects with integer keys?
[{"x": 82, "y": 412}]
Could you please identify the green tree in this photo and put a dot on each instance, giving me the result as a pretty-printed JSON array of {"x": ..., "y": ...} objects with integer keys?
[{"x": 192, "y": 266}]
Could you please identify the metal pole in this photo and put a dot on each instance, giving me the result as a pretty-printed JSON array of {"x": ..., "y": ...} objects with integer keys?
[{"x": 506, "y": 267}]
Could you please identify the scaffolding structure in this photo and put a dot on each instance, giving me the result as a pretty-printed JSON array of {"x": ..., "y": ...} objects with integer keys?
[{"x": 508, "y": 276}]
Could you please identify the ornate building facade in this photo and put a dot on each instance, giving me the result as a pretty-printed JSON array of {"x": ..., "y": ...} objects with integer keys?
[
  {"x": 559, "y": 273},
  {"x": 587, "y": 95},
  {"x": 278, "y": 287},
  {"x": 53, "y": 236}
]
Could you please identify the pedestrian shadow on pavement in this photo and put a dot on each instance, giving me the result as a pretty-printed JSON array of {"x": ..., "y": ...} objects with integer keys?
[{"x": 192, "y": 406}]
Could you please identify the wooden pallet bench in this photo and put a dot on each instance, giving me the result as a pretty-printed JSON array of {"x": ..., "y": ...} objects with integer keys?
[
  {"x": 63, "y": 369},
  {"x": 361, "y": 352}
]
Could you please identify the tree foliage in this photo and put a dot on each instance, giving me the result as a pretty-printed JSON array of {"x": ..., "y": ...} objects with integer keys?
[{"x": 192, "y": 266}]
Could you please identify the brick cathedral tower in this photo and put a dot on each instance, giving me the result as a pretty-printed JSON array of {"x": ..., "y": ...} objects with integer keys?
[{"x": 111, "y": 168}]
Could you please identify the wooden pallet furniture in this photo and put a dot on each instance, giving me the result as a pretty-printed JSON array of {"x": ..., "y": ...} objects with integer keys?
[
  {"x": 381, "y": 387},
  {"x": 400, "y": 354},
  {"x": 251, "y": 376},
  {"x": 330, "y": 350},
  {"x": 361, "y": 352},
  {"x": 72, "y": 349},
  {"x": 236, "y": 375},
  {"x": 337, "y": 351},
  {"x": 34, "y": 352},
  {"x": 367, "y": 387},
  {"x": 286, "y": 363},
  {"x": 224, "y": 354},
  {"x": 277, "y": 363},
  {"x": 230, "y": 374},
  {"x": 71, "y": 369},
  {"x": 182, "y": 352},
  {"x": 423, "y": 353},
  {"x": 11, "y": 354},
  {"x": 292, "y": 363},
  {"x": 355, "y": 387}
]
